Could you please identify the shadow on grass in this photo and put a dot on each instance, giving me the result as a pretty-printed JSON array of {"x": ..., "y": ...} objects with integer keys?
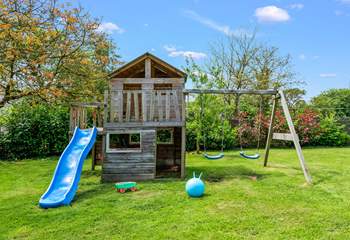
[
  {"x": 92, "y": 192},
  {"x": 324, "y": 176},
  {"x": 282, "y": 166},
  {"x": 220, "y": 173}
]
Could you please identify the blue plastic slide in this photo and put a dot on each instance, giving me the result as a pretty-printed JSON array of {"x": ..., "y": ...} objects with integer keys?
[{"x": 66, "y": 178}]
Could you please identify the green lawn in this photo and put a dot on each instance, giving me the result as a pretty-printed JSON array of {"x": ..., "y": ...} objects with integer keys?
[{"x": 278, "y": 205}]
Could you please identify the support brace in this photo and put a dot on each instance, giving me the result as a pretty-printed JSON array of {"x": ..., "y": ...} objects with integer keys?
[{"x": 286, "y": 137}]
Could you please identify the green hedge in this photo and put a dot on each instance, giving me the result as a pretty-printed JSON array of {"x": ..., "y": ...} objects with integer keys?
[
  {"x": 332, "y": 133},
  {"x": 32, "y": 131}
]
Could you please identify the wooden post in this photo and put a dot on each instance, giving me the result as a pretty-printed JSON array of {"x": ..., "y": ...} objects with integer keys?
[
  {"x": 160, "y": 105},
  {"x": 167, "y": 105},
  {"x": 147, "y": 91},
  {"x": 152, "y": 102},
  {"x": 120, "y": 105},
  {"x": 128, "y": 106},
  {"x": 105, "y": 114},
  {"x": 93, "y": 152},
  {"x": 270, "y": 132},
  {"x": 144, "y": 106},
  {"x": 176, "y": 104},
  {"x": 183, "y": 137},
  {"x": 148, "y": 68},
  {"x": 105, "y": 108},
  {"x": 295, "y": 138},
  {"x": 113, "y": 107},
  {"x": 136, "y": 105}
]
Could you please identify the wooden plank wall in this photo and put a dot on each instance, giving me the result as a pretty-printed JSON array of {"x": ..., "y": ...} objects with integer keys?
[{"x": 132, "y": 166}]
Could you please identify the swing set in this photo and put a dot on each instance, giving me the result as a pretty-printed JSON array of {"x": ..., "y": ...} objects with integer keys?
[
  {"x": 242, "y": 153},
  {"x": 277, "y": 96}
]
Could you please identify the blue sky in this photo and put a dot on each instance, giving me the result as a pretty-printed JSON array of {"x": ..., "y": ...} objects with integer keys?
[{"x": 315, "y": 32}]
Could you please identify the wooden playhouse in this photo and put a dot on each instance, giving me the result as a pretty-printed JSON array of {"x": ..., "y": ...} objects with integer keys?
[{"x": 142, "y": 130}]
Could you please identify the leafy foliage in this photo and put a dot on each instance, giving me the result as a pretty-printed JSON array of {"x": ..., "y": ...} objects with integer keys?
[
  {"x": 312, "y": 130},
  {"x": 335, "y": 101},
  {"x": 307, "y": 125},
  {"x": 51, "y": 51},
  {"x": 37, "y": 130},
  {"x": 332, "y": 133}
]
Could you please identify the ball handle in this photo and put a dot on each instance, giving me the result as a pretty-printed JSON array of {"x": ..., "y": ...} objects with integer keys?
[{"x": 200, "y": 175}]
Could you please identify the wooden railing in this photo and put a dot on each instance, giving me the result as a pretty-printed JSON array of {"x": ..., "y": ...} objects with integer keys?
[
  {"x": 145, "y": 106},
  {"x": 86, "y": 115}
]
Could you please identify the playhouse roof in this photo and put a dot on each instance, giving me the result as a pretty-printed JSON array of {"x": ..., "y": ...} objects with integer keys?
[{"x": 132, "y": 68}]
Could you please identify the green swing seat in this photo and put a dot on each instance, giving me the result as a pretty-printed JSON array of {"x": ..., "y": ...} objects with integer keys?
[
  {"x": 252, "y": 157},
  {"x": 213, "y": 157}
]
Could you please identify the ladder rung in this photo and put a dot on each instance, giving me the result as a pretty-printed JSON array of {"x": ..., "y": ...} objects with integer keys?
[{"x": 283, "y": 136}]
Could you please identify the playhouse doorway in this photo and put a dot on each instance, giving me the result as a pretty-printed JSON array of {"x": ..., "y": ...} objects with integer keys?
[{"x": 168, "y": 158}]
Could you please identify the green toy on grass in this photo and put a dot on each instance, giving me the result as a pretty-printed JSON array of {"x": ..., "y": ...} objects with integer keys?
[{"x": 122, "y": 187}]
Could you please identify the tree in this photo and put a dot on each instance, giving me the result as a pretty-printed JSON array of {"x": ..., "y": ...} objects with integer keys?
[
  {"x": 241, "y": 62},
  {"x": 295, "y": 99},
  {"x": 51, "y": 51},
  {"x": 335, "y": 101}
]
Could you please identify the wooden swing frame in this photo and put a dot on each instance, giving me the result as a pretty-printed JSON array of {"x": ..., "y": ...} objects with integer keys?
[{"x": 278, "y": 96}]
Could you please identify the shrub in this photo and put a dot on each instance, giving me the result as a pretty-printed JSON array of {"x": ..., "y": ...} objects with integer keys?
[
  {"x": 307, "y": 125},
  {"x": 332, "y": 133},
  {"x": 31, "y": 131}
]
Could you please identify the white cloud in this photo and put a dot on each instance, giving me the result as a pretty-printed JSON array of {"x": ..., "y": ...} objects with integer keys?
[
  {"x": 109, "y": 27},
  {"x": 145, "y": 24},
  {"x": 271, "y": 14},
  {"x": 338, "y": 13},
  {"x": 225, "y": 29},
  {"x": 328, "y": 75},
  {"x": 169, "y": 48},
  {"x": 173, "y": 52},
  {"x": 298, "y": 6},
  {"x": 344, "y": 1},
  {"x": 302, "y": 56}
]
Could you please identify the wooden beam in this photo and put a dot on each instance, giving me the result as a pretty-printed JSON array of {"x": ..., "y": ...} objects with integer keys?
[
  {"x": 152, "y": 102},
  {"x": 144, "y": 106},
  {"x": 160, "y": 105},
  {"x": 136, "y": 106},
  {"x": 176, "y": 105},
  {"x": 113, "y": 106},
  {"x": 283, "y": 136},
  {"x": 183, "y": 138},
  {"x": 128, "y": 105},
  {"x": 167, "y": 105},
  {"x": 117, "y": 81},
  {"x": 225, "y": 91},
  {"x": 105, "y": 109},
  {"x": 109, "y": 126},
  {"x": 120, "y": 105},
  {"x": 270, "y": 131},
  {"x": 295, "y": 138},
  {"x": 148, "y": 68}
]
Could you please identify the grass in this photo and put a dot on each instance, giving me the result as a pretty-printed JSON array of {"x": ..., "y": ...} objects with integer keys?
[{"x": 277, "y": 205}]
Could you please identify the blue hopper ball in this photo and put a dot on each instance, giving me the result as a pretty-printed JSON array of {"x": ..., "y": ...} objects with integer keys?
[{"x": 195, "y": 186}]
